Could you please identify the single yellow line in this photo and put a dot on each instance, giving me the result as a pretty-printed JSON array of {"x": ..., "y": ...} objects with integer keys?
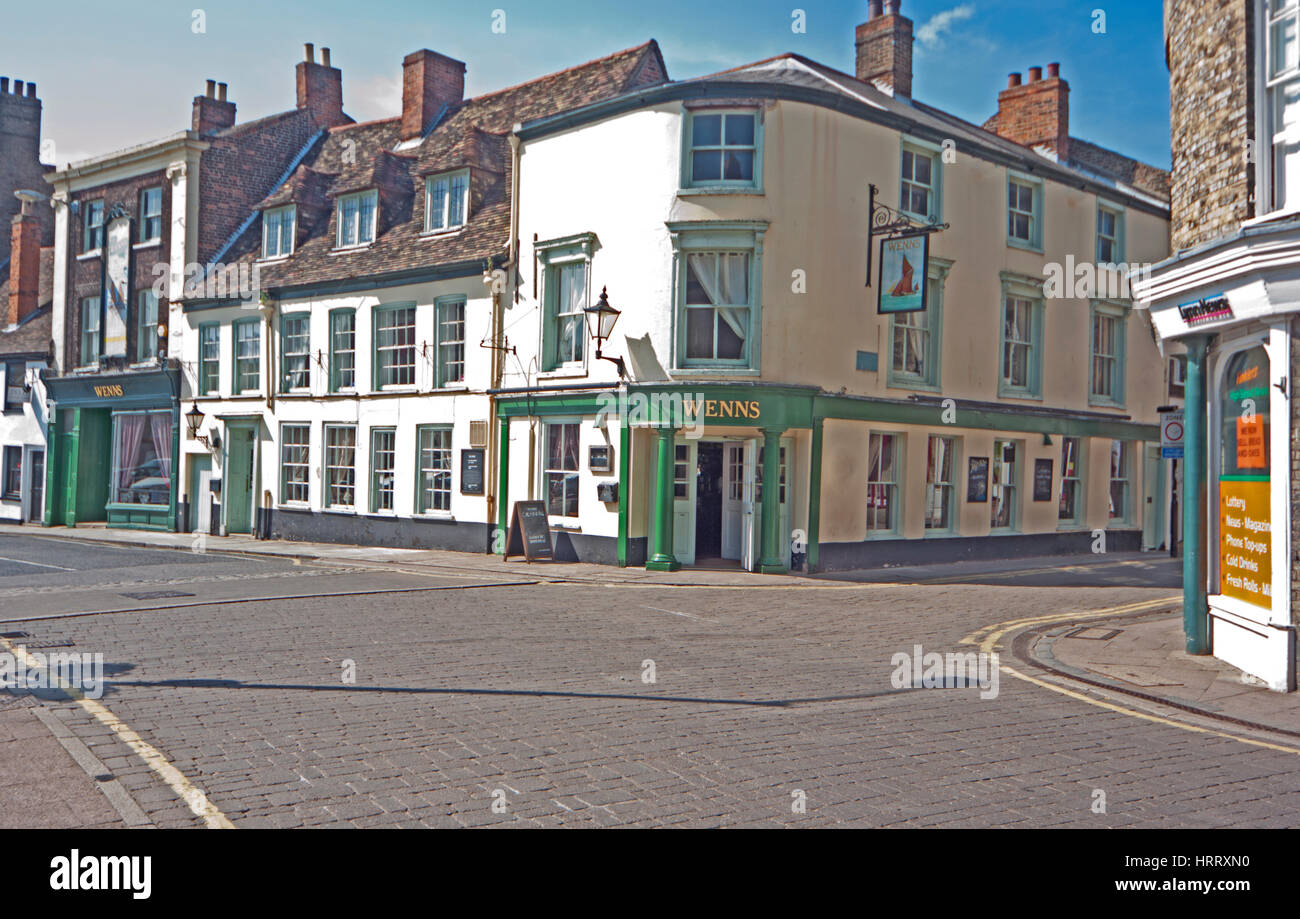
[{"x": 154, "y": 759}]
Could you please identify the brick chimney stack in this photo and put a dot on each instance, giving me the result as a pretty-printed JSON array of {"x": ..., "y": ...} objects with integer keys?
[
  {"x": 20, "y": 151},
  {"x": 211, "y": 110},
  {"x": 429, "y": 81},
  {"x": 320, "y": 88},
  {"x": 1035, "y": 113},
  {"x": 25, "y": 258},
  {"x": 884, "y": 45}
]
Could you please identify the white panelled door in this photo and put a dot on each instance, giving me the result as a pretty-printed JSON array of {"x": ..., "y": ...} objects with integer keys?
[
  {"x": 733, "y": 491},
  {"x": 684, "y": 478},
  {"x": 750, "y": 506}
]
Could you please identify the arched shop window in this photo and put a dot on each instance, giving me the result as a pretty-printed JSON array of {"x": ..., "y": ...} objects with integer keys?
[{"x": 1245, "y": 566}]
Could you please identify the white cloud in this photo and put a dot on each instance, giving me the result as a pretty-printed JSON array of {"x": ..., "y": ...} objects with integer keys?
[
  {"x": 377, "y": 97},
  {"x": 930, "y": 34}
]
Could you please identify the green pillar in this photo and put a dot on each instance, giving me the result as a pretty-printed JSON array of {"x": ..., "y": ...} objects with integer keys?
[
  {"x": 815, "y": 495},
  {"x": 1195, "y": 604},
  {"x": 503, "y": 487},
  {"x": 51, "y": 462},
  {"x": 73, "y": 455},
  {"x": 624, "y": 484},
  {"x": 662, "y": 558},
  {"x": 770, "y": 561}
]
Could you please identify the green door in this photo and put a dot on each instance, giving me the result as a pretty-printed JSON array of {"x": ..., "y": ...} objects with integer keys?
[{"x": 238, "y": 485}]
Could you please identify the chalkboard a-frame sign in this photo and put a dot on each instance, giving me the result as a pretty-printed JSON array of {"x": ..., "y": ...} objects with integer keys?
[{"x": 530, "y": 532}]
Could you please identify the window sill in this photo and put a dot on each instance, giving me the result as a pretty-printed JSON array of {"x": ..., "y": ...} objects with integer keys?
[
  {"x": 340, "y": 511},
  {"x": 751, "y": 190},
  {"x": 87, "y": 368},
  {"x": 714, "y": 371},
  {"x": 563, "y": 373},
  {"x": 294, "y": 506},
  {"x": 344, "y": 250},
  {"x": 558, "y": 523},
  {"x": 147, "y": 244},
  {"x": 1105, "y": 403},
  {"x": 940, "y": 534},
  {"x": 1018, "y": 394},
  {"x": 274, "y": 259},
  {"x": 879, "y": 537},
  {"x": 438, "y": 234},
  {"x": 1024, "y": 246},
  {"x": 93, "y": 253},
  {"x": 452, "y": 388},
  {"x": 398, "y": 388},
  {"x": 427, "y": 517},
  {"x": 917, "y": 384}
]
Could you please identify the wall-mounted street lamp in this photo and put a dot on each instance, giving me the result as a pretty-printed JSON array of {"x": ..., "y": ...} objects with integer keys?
[
  {"x": 601, "y": 319},
  {"x": 194, "y": 419}
]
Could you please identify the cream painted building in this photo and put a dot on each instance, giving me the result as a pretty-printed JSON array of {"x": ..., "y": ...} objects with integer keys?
[{"x": 728, "y": 220}]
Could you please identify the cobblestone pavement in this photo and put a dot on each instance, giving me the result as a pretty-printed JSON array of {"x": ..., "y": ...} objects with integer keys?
[{"x": 532, "y": 698}]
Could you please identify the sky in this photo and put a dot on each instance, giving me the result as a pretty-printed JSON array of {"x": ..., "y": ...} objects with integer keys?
[{"x": 111, "y": 75}]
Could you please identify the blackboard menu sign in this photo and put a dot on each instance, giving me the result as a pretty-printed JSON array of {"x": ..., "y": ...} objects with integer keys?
[
  {"x": 977, "y": 479},
  {"x": 471, "y": 471},
  {"x": 1042, "y": 480},
  {"x": 530, "y": 531}
]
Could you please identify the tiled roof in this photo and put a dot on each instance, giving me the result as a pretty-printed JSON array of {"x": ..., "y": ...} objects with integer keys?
[
  {"x": 32, "y": 336},
  {"x": 470, "y": 135}
]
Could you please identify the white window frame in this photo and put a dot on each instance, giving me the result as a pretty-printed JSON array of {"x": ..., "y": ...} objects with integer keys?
[
  {"x": 379, "y": 351},
  {"x": 752, "y": 185},
  {"x": 379, "y": 488},
  {"x": 449, "y": 320},
  {"x": 895, "y": 497},
  {"x": 91, "y": 308},
  {"x": 145, "y": 330},
  {"x": 279, "y": 230},
  {"x": 304, "y": 467},
  {"x": 440, "y": 450},
  {"x": 439, "y": 205},
  {"x": 331, "y": 467},
  {"x": 1267, "y": 88},
  {"x": 352, "y": 225}
]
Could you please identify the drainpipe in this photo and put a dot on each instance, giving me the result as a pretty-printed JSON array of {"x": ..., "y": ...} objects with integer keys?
[
  {"x": 1195, "y": 603},
  {"x": 267, "y": 309}
]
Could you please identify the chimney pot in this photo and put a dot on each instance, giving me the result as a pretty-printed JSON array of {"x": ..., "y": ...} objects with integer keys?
[
  {"x": 31, "y": 90},
  {"x": 892, "y": 7},
  {"x": 211, "y": 90},
  {"x": 1013, "y": 81},
  {"x": 309, "y": 53},
  {"x": 18, "y": 87},
  {"x": 873, "y": 8},
  {"x": 325, "y": 57},
  {"x": 1053, "y": 71},
  {"x": 1035, "y": 74},
  {"x": 221, "y": 92},
  {"x": 4, "y": 85}
]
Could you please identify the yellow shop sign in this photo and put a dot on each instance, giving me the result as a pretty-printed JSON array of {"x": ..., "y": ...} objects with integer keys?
[
  {"x": 108, "y": 392},
  {"x": 1245, "y": 544},
  {"x": 722, "y": 408}
]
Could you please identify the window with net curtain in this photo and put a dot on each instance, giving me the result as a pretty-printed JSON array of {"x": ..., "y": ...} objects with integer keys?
[
  {"x": 717, "y": 306},
  {"x": 567, "y": 289},
  {"x": 142, "y": 458}
]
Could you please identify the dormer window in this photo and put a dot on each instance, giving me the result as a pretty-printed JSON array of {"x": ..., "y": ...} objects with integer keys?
[
  {"x": 277, "y": 231},
  {"x": 446, "y": 201},
  {"x": 356, "y": 219}
]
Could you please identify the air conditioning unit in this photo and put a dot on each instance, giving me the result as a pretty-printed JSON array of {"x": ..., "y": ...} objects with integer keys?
[{"x": 478, "y": 434}]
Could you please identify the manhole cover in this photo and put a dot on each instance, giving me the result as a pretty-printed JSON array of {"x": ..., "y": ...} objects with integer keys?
[
  {"x": 156, "y": 594},
  {"x": 1092, "y": 633}
]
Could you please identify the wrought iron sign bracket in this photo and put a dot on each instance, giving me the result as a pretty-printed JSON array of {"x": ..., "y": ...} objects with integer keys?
[{"x": 888, "y": 223}]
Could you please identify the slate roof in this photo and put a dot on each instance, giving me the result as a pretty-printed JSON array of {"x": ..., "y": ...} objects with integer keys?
[
  {"x": 473, "y": 134},
  {"x": 1086, "y": 160},
  {"x": 30, "y": 337}
]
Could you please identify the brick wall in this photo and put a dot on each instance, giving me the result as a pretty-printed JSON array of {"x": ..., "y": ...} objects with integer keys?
[
  {"x": 85, "y": 276},
  {"x": 1210, "y": 80}
]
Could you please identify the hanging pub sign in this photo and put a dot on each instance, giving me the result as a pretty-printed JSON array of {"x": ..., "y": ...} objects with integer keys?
[
  {"x": 904, "y": 269},
  {"x": 117, "y": 280}
]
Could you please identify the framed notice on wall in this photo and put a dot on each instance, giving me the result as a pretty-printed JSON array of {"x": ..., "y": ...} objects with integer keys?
[
  {"x": 977, "y": 479},
  {"x": 904, "y": 266},
  {"x": 471, "y": 471},
  {"x": 1042, "y": 480}
]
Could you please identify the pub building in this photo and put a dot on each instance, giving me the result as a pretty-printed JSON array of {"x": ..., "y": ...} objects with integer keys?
[
  {"x": 1230, "y": 299},
  {"x": 130, "y": 227},
  {"x": 783, "y": 328}
]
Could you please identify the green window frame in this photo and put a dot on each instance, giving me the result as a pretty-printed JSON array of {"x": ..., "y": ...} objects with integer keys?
[
  {"x": 566, "y": 291},
  {"x": 343, "y": 350},
  {"x": 449, "y": 320},
  {"x": 1024, "y": 212},
  {"x": 146, "y": 325},
  {"x": 916, "y": 339},
  {"x": 920, "y": 180},
  {"x": 247, "y": 365},
  {"x": 150, "y": 214},
  {"x": 92, "y": 226},
  {"x": 91, "y": 312},
  {"x": 717, "y": 295},
  {"x": 278, "y": 231},
  {"x": 1121, "y": 482},
  {"x": 1020, "y": 352},
  {"x": 1004, "y": 486},
  {"x": 383, "y": 469},
  {"x": 446, "y": 201},
  {"x": 941, "y": 472},
  {"x": 722, "y": 150},
  {"x": 1110, "y": 233},
  {"x": 295, "y": 463},
  {"x": 433, "y": 469},
  {"x": 209, "y": 376},
  {"x": 295, "y": 352},
  {"x": 340, "y": 466},
  {"x": 1069, "y": 509},
  {"x": 1108, "y": 324},
  {"x": 393, "y": 346},
  {"x": 884, "y": 484}
]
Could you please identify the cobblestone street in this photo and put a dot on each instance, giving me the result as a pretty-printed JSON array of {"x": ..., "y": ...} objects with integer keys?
[{"x": 533, "y": 697}]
